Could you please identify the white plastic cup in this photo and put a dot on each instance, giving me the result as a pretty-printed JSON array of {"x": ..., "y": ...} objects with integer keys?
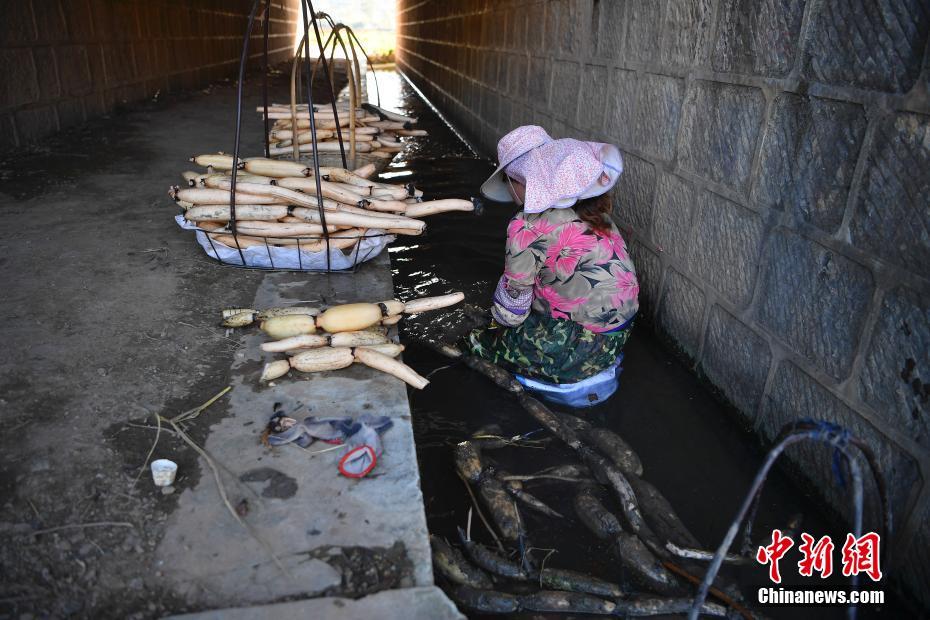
[{"x": 163, "y": 472}]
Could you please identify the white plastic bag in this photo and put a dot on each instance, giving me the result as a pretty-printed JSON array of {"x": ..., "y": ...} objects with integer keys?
[{"x": 287, "y": 257}]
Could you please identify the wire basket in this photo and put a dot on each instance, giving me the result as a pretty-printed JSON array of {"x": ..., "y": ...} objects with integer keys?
[
  {"x": 341, "y": 37},
  {"x": 312, "y": 253}
]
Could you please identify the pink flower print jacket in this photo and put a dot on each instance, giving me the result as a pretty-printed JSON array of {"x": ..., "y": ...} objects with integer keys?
[{"x": 575, "y": 272}]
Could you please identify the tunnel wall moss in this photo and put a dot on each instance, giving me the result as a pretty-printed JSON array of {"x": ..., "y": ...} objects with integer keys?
[
  {"x": 65, "y": 61},
  {"x": 776, "y": 197}
]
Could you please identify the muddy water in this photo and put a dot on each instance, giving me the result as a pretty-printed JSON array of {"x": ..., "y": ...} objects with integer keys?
[{"x": 690, "y": 446}]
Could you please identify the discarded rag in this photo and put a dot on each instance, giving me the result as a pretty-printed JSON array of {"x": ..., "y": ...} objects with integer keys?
[
  {"x": 363, "y": 443},
  {"x": 362, "y": 438}
]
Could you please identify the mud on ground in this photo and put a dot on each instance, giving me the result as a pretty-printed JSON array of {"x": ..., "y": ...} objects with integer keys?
[{"x": 109, "y": 317}]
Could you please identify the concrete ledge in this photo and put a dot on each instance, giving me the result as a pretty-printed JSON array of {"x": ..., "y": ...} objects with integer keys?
[{"x": 332, "y": 535}]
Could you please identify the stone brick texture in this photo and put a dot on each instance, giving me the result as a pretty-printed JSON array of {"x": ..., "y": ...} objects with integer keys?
[
  {"x": 65, "y": 61},
  {"x": 775, "y": 199}
]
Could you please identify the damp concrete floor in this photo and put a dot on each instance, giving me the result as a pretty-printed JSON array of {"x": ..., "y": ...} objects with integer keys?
[{"x": 111, "y": 316}]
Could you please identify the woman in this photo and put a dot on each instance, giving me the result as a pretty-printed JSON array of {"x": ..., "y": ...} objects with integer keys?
[{"x": 564, "y": 307}]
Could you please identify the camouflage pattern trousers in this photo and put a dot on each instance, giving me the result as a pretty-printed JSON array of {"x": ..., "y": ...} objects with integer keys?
[{"x": 548, "y": 349}]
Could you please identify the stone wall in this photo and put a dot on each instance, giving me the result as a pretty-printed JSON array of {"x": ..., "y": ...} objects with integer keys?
[
  {"x": 65, "y": 61},
  {"x": 776, "y": 197}
]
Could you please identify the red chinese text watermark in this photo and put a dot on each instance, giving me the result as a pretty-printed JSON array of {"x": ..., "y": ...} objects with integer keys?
[{"x": 859, "y": 555}]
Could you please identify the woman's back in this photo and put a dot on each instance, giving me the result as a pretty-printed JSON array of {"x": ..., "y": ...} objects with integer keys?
[{"x": 577, "y": 272}]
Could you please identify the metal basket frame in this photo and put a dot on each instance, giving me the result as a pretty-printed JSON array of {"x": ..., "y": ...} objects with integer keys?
[{"x": 310, "y": 18}]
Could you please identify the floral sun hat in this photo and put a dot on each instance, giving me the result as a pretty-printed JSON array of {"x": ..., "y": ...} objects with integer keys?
[
  {"x": 513, "y": 145},
  {"x": 556, "y": 173}
]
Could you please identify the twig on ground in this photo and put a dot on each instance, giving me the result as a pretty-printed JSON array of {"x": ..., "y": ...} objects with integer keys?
[
  {"x": 73, "y": 526},
  {"x": 149, "y": 427},
  {"x": 190, "y": 414},
  {"x": 18, "y": 426},
  {"x": 176, "y": 428},
  {"x": 151, "y": 451},
  {"x": 34, "y": 509},
  {"x": 219, "y": 484}
]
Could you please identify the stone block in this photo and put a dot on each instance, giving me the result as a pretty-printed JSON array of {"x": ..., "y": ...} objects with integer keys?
[
  {"x": 517, "y": 75},
  {"x": 490, "y": 108},
  {"x": 98, "y": 70},
  {"x": 135, "y": 91},
  {"x": 594, "y": 87},
  {"x": 571, "y": 25},
  {"x": 521, "y": 115},
  {"x": 736, "y": 359},
  {"x": 876, "y": 45},
  {"x": 19, "y": 27},
  {"x": 657, "y": 114},
  {"x": 814, "y": 300},
  {"x": 808, "y": 157},
  {"x": 725, "y": 247},
  {"x": 566, "y": 83},
  {"x": 145, "y": 61},
  {"x": 8, "y": 139},
  {"x": 489, "y": 68},
  {"x": 895, "y": 375},
  {"x": 681, "y": 312},
  {"x": 506, "y": 111},
  {"x": 892, "y": 216},
  {"x": 609, "y": 21},
  {"x": 719, "y": 127},
  {"x": 95, "y": 105},
  {"x": 649, "y": 275},
  {"x": 179, "y": 26},
  {"x": 471, "y": 97},
  {"x": 916, "y": 560},
  {"x": 471, "y": 63},
  {"x": 796, "y": 395},
  {"x": 540, "y": 77},
  {"x": 104, "y": 25},
  {"x": 126, "y": 22},
  {"x": 74, "y": 69},
  {"x": 517, "y": 22},
  {"x": 119, "y": 63},
  {"x": 149, "y": 21},
  {"x": 70, "y": 113},
  {"x": 687, "y": 33},
  {"x": 35, "y": 123},
  {"x": 676, "y": 201},
  {"x": 543, "y": 120},
  {"x": 535, "y": 27},
  {"x": 160, "y": 57},
  {"x": 50, "y": 21},
  {"x": 46, "y": 73},
  {"x": 758, "y": 37},
  {"x": 644, "y": 29},
  {"x": 20, "y": 83},
  {"x": 633, "y": 194},
  {"x": 620, "y": 106}
]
